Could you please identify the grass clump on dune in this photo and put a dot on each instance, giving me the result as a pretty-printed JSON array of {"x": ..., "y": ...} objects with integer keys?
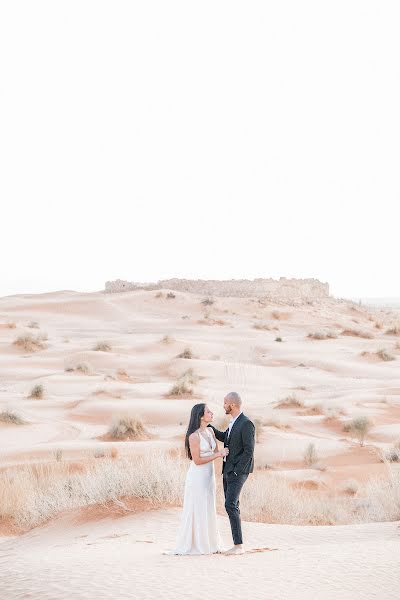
[
  {"x": 30, "y": 343},
  {"x": 394, "y": 330},
  {"x": 357, "y": 333},
  {"x": 37, "y": 391},
  {"x": 12, "y": 418},
  {"x": 102, "y": 347},
  {"x": 187, "y": 353},
  {"x": 385, "y": 355},
  {"x": 127, "y": 427},
  {"x": 322, "y": 335},
  {"x": 360, "y": 426},
  {"x": 290, "y": 401},
  {"x": 82, "y": 367}
]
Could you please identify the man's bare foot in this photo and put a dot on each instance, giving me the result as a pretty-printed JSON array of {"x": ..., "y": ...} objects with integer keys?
[{"x": 238, "y": 549}]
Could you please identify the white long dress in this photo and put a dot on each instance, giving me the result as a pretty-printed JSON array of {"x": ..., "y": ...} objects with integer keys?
[{"x": 198, "y": 531}]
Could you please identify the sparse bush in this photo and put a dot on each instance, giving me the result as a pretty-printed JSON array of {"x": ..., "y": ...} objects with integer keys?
[
  {"x": 290, "y": 401},
  {"x": 357, "y": 333},
  {"x": 322, "y": 335},
  {"x": 385, "y": 355},
  {"x": 208, "y": 301},
  {"x": 187, "y": 353},
  {"x": 33, "y": 325},
  {"x": 80, "y": 367},
  {"x": 171, "y": 295},
  {"x": 128, "y": 427},
  {"x": 180, "y": 388},
  {"x": 262, "y": 326},
  {"x": 30, "y": 343},
  {"x": 392, "y": 455},
  {"x": 7, "y": 416},
  {"x": 350, "y": 486},
  {"x": 280, "y": 316},
  {"x": 102, "y": 347},
  {"x": 394, "y": 330},
  {"x": 167, "y": 339},
  {"x": 37, "y": 391},
  {"x": 310, "y": 455},
  {"x": 278, "y": 339},
  {"x": 360, "y": 426}
]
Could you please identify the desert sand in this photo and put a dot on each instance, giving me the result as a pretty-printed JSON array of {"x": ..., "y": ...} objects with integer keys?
[{"x": 304, "y": 373}]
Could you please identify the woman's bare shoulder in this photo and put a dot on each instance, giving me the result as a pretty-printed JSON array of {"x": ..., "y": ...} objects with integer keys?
[{"x": 194, "y": 436}]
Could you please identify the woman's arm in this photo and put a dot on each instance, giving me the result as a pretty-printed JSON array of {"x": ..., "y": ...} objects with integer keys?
[{"x": 194, "y": 444}]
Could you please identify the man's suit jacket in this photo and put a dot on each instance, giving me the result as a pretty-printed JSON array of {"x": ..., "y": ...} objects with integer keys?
[{"x": 241, "y": 441}]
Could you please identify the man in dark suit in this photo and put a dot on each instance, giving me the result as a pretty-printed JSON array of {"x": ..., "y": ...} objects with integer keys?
[{"x": 240, "y": 439}]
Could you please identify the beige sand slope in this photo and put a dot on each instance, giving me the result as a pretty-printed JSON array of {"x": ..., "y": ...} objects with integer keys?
[
  {"x": 234, "y": 346},
  {"x": 122, "y": 559}
]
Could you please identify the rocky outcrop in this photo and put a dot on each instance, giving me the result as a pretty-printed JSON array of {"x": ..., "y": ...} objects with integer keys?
[{"x": 283, "y": 290}]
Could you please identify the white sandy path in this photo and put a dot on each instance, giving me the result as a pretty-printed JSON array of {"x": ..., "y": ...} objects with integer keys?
[{"x": 121, "y": 559}]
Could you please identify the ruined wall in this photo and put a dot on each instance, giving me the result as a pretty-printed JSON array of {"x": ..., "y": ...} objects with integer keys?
[{"x": 275, "y": 289}]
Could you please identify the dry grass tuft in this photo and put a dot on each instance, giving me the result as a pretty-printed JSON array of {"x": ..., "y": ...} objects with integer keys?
[
  {"x": 102, "y": 347},
  {"x": 37, "y": 392},
  {"x": 310, "y": 455},
  {"x": 167, "y": 339},
  {"x": 208, "y": 301},
  {"x": 30, "y": 343},
  {"x": 322, "y": 335},
  {"x": 171, "y": 295},
  {"x": 12, "y": 418},
  {"x": 280, "y": 316},
  {"x": 357, "y": 333},
  {"x": 127, "y": 427},
  {"x": 290, "y": 401},
  {"x": 33, "y": 325},
  {"x": 385, "y": 355},
  {"x": 262, "y": 326},
  {"x": 394, "y": 330},
  {"x": 11, "y": 325},
  {"x": 82, "y": 367},
  {"x": 187, "y": 353},
  {"x": 360, "y": 426}
]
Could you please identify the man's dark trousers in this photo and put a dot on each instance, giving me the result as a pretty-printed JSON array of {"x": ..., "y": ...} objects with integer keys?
[{"x": 232, "y": 487}]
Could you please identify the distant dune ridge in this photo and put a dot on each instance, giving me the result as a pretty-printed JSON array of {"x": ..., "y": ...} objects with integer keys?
[
  {"x": 92, "y": 423},
  {"x": 282, "y": 290}
]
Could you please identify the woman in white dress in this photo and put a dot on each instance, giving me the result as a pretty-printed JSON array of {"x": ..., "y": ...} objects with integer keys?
[{"x": 198, "y": 532}]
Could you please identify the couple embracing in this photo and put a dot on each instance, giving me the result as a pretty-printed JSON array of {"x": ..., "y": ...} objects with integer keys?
[{"x": 198, "y": 533}]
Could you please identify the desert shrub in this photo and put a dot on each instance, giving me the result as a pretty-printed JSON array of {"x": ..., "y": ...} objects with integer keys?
[
  {"x": 290, "y": 401},
  {"x": 262, "y": 326},
  {"x": 11, "y": 325},
  {"x": 37, "y": 391},
  {"x": 394, "y": 330},
  {"x": 167, "y": 339},
  {"x": 128, "y": 427},
  {"x": 187, "y": 353},
  {"x": 33, "y": 325},
  {"x": 278, "y": 339},
  {"x": 30, "y": 343},
  {"x": 102, "y": 347},
  {"x": 310, "y": 455},
  {"x": 360, "y": 426},
  {"x": 357, "y": 333},
  {"x": 280, "y": 316},
  {"x": 322, "y": 335},
  {"x": 180, "y": 388},
  {"x": 82, "y": 367},
  {"x": 350, "y": 486},
  {"x": 171, "y": 295},
  {"x": 208, "y": 301},
  {"x": 385, "y": 355},
  {"x": 8, "y": 416}
]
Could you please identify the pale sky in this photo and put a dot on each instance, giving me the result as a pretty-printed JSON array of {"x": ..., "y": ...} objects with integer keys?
[{"x": 214, "y": 139}]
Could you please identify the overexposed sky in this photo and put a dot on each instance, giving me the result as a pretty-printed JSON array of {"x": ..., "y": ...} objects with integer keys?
[{"x": 214, "y": 139}]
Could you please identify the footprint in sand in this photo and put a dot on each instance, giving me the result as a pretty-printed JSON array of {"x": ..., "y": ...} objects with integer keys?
[{"x": 253, "y": 550}]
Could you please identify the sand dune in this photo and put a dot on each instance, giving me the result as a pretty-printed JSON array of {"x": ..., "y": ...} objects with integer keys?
[{"x": 84, "y": 389}]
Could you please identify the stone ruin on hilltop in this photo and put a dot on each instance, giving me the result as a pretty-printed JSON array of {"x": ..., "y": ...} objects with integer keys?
[{"x": 278, "y": 290}]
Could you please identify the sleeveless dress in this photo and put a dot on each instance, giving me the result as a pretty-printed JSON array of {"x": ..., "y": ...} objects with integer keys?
[{"x": 198, "y": 531}]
